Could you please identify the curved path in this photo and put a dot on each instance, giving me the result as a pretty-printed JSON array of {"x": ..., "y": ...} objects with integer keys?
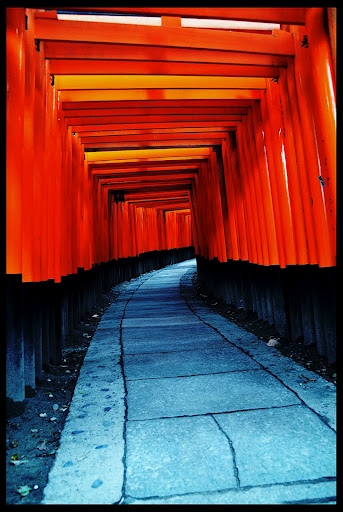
[{"x": 175, "y": 404}]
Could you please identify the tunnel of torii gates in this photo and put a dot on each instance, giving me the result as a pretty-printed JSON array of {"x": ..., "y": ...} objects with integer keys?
[{"x": 140, "y": 137}]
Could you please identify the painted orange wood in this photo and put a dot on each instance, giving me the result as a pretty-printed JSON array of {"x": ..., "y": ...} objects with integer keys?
[
  {"x": 221, "y": 139},
  {"x": 58, "y": 30},
  {"x": 288, "y": 15}
]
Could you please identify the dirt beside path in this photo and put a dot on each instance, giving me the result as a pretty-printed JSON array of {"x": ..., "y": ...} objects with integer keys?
[{"x": 306, "y": 356}]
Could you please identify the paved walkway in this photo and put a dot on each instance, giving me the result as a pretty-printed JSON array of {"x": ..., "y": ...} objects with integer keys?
[{"x": 175, "y": 404}]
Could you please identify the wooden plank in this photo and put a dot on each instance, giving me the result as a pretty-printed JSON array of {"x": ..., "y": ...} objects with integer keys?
[
  {"x": 107, "y": 51},
  {"x": 73, "y": 66},
  {"x": 99, "y": 120},
  {"x": 188, "y": 124},
  {"x": 146, "y": 169},
  {"x": 152, "y": 137},
  {"x": 143, "y": 111},
  {"x": 144, "y": 153},
  {"x": 58, "y": 30},
  {"x": 151, "y": 104},
  {"x": 99, "y": 82},
  {"x": 286, "y": 15},
  {"x": 156, "y": 131},
  {"x": 159, "y": 94},
  {"x": 153, "y": 143}
]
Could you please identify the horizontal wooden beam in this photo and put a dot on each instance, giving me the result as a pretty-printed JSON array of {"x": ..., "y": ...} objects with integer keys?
[
  {"x": 154, "y": 104},
  {"x": 205, "y": 124},
  {"x": 128, "y": 67},
  {"x": 157, "y": 131},
  {"x": 153, "y": 143},
  {"x": 286, "y": 15},
  {"x": 152, "y": 160},
  {"x": 61, "y": 30},
  {"x": 145, "y": 153},
  {"x": 143, "y": 111},
  {"x": 171, "y": 162},
  {"x": 176, "y": 186},
  {"x": 165, "y": 205},
  {"x": 152, "y": 176},
  {"x": 100, "y": 120},
  {"x": 99, "y": 82},
  {"x": 143, "y": 169},
  {"x": 108, "y": 51},
  {"x": 160, "y": 94},
  {"x": 152, "y": 137}
]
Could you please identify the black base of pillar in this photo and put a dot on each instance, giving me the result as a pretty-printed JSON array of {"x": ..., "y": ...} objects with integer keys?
[
  {"x": 299, "y": 301},
  {"x": 14, "y": 408}
]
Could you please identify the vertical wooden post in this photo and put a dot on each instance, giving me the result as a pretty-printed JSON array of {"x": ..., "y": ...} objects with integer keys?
[{"x": 15, "y": 108}]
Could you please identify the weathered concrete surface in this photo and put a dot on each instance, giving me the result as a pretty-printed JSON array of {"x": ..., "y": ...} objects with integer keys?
[{"x": 177, "y": 405}]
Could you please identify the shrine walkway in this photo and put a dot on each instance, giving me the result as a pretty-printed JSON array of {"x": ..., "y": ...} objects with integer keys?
[{"x": 176, "y": 404}]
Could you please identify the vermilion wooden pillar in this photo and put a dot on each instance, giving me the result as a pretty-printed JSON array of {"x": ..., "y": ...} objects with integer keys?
[
  {"x": 264, "y": 179},
  {"x": 324, "y": 88},
  {"x": 15, "y": 108},
  {"x": 323, "y": 213},
  {"x": 28, "y": 149},
  {"x": 231, "y": 201},
  {"x": 294, "y": 185},
  {"x": 303, "y": 172},
  {"x": 247, "y": 195},
  {"x": 276, "y": 128},
  {"x": 272, "y": 170},
  {"x": 256, "y": 193}
]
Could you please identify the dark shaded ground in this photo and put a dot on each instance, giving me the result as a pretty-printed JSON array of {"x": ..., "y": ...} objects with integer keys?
[
  {"x": 307, "y": 356},
  {"x": 33, "y": 439}
]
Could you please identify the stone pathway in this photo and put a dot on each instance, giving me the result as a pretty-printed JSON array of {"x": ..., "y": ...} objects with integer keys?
[{"x": 175, "y": 404}]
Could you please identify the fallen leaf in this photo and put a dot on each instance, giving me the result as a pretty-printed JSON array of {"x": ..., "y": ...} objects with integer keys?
[
  {"x": 55, "y": 407},
  {"x": 17, "y": 462},
  {"x": 43, "y": 415},
  {"x": 14, "y": 457},
  {"x": 42, "y": 445},
  {"x": 14, "y": 443},
  {"x": 95, "y": 316},
  {"x": 24, "y": 490},
  {"x": 34, "y": 430},
  {"x": 273, "y": 342},
  {"x": 53, "y": 418}
]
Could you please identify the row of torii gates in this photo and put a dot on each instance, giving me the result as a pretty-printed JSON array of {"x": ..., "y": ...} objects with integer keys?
[{"x": 138, "y": 137}]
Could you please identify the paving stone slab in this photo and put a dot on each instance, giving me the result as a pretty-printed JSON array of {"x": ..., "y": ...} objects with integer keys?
[
  {"x": 88, "y": 468},
  {"x": 299, "y": 493},
  {"x": 168, "y": 330},
  {"x": 184, "y": 320},
  {"x": 189, "y": 362},
  {"x": 203, "y": 394},
  {"x": 177, "y": 455},
  {"x": 315, "y": 391},
  {"x": 157, "y": 310},
  {"x": 290, "y": 444},
  {"x": 171, "y": 342}
]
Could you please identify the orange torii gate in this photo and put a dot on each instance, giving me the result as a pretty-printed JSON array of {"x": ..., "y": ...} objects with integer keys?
[{"x": 211, "y": 128}]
